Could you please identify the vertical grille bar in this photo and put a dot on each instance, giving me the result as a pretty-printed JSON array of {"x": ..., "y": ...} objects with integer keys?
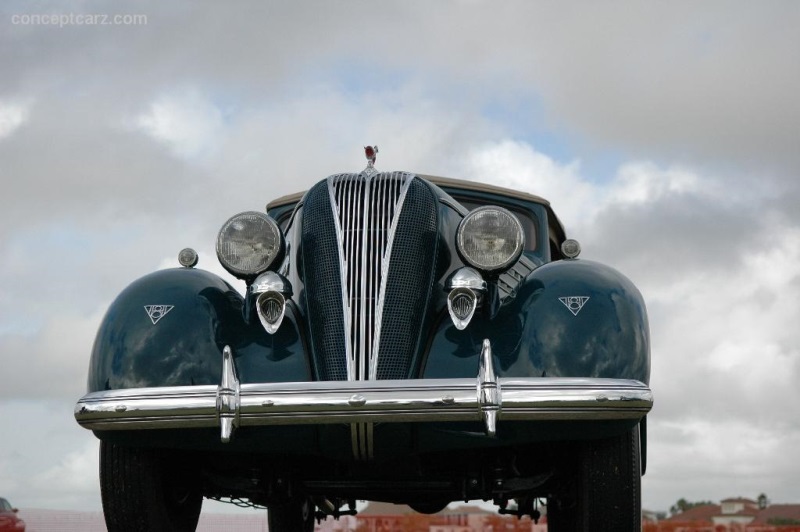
[{"x": 366, "y": 211}]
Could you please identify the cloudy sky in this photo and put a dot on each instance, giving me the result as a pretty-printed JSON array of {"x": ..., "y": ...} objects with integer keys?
[{"x": 666, "y": 135}]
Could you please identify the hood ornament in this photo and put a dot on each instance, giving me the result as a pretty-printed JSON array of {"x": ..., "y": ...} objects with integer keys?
[{"x": 371, "y": 152}]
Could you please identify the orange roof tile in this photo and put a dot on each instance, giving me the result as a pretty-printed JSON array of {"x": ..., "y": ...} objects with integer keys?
[
  {"x": 385, "y": 508},
  {"x": 777, "y": 511},
  {"x": 698, "y": 514}
]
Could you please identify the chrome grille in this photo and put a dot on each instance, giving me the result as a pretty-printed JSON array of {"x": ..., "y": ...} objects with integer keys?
[{"x": 366, "y": 212}]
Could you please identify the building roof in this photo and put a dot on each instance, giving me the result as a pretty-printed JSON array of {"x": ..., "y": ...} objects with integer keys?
[
  {"x": 745, "y": 512},
  {"x": 698, "y": 514},
  {"x": 385, "y": 508},
  {"x": 739, "y": 499},
  {"x": 466, "y": 510},
  {"x": 777, "y": 511}
]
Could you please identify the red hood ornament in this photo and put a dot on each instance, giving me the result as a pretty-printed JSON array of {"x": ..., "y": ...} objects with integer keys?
[{"x": 371, "y": 152}]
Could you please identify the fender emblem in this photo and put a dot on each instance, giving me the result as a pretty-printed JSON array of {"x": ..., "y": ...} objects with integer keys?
[
  {"x": 574, "y": 303},
  {"x": 156, "y": 312}
]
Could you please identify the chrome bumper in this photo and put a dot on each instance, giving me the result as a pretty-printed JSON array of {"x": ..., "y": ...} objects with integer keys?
[{"x": 486, "y": 399}]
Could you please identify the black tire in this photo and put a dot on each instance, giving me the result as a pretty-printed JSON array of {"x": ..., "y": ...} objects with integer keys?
[
  {"x": 293, "y": 516},
  {"x": 605, "y": 494},
  {"x": 145, "y": 489}
]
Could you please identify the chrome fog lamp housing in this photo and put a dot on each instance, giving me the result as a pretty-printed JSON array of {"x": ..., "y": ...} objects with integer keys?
[
  {"x": 188, "y": 258},
  {"x": 271, "y": 307},
  {"x": 271, "y": 291},
  {"x": 249, "y": 243},
  {"x": 490, "y": 239},
  {"x": 466, "y": 290},
  {"x": 571, "y": 248}
]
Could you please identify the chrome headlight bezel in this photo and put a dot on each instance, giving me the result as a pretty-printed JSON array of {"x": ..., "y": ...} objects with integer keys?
[
  {"x": 467, "y": 228},
  {"x": 256, "y": 231}
]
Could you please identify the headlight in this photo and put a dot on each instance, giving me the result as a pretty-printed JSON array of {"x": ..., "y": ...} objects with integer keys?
[
  {"x": 249, "y": 243},
  {"x": 490, "y": 239}
]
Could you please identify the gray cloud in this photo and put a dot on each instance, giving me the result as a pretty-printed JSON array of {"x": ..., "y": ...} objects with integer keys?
[{"x": 676, "y": 80}]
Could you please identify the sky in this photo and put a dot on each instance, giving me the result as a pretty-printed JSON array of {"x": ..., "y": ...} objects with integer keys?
[{"x": 665, "y": 135}]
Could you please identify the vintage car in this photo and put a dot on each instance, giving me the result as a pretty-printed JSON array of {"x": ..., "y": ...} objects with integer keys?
[{"x": 401, "y": 338}]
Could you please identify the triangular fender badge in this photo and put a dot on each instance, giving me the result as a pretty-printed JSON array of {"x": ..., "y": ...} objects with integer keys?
[
  {"x": 156, "y": 312},
  {"x": 574, "y": 303}
]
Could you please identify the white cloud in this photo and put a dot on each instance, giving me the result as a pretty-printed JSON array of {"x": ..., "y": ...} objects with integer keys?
[
  {"x": 520, "y": 166},
  {"x": 642, "y": 182},
  {"x": 712, "y": 460},
  {"x": 54, "y": 359},
  {"x": 12, "y": 116},
  {"x": 74, "y": 473},
  {"x": 53, "y": 462},
  {"x": 188, "y": 122}
]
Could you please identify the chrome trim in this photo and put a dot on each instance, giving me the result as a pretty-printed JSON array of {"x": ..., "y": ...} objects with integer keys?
[
  {"x": 222, "y": 244},
  {"x": 385, "y": 259},
  {"x": 366, "y": 212},
  {"x": 466, "y": 278},
  {"x": 271, "y": 282},
  {"x": 490, "y": 395},
  {"x": 156, "y": 312},
  {"x": 453, "y": 204},
  {"x": 188, "y": 258},
  {"x": 461, "y": 304},
  {"x": 467, "y": 287},
  {"x": 228, "y": 398},
  {"x": 386, "y": 401},
  {"x": 362, "y": 438},
  {"x": 271, "y": 307},
  {"x": 371, "y": 153},
  {"x": 272, "y": 290},
  {"x": 488, "y": 399},
  {"x": 509, "y": 262},
  {"x": 571, "y": 248}
]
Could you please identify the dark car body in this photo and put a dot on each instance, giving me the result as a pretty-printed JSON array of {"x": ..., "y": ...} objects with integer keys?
[
  {"x": 9, "y": 520},
  {"x": 354, "y": 367}
]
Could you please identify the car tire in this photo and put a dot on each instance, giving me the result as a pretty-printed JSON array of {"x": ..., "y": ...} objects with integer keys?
[
  {"x": 145, "y": 489},
  {"x": 606, "y": 492},
  {"x": 293, "y": 516}
]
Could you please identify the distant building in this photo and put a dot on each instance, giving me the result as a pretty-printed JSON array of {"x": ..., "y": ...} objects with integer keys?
[
  {"x": 732, "y": 515},
  {"x": 736, "y": 511},
  {"x": 384, "y": 517},
  {"x": 699, "y": 518},
  {"x": 785, "y": 515}
]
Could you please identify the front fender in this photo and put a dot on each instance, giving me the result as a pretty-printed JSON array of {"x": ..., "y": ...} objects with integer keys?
[
  {"x": 570, "y": 318},
  {"x": 169, "y": 329}
]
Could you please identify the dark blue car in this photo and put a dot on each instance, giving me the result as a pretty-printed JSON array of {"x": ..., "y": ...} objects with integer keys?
[{"x": 402, "y": 338}]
